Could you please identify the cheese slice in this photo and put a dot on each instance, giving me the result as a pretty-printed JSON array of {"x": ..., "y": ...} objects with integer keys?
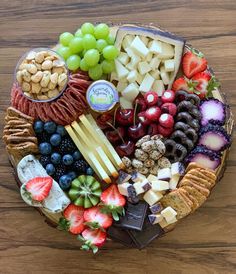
[
  {"x": 88, "y": 155},
  {"x": 97, "y": 133}
]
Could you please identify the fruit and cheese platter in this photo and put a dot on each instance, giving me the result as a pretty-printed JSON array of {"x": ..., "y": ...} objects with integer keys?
[{"x": 117, "y": 132}]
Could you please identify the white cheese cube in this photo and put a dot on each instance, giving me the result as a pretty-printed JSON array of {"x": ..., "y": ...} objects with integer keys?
[
  {"x": 121, "y": 86},
  {"x": 163, "y": 223},
  {"x": 139, "y": 47},
  {"x": 123, "y": 188},
  {"x": 168, "y": 51},
  {"x": 152, "y": 178},
  {"x": 128, "y": 39},
  {"x": 155, "y": 219},
  {"x": 177, "y": 169},
  {"x": 164, "y": 174},
  {"x": 154, "y": 63},
  {"x": 155, "y": 47},
  {"x": 132, "y": 76},
  {"x": 121, "y": 70},
  {"x": 158, "y": 87},
  {"x": 143, "y": 67},
  {"x": 164, "y": 76},
  {"x": 152, "y": 197},
  {"x": 169, "y": 65},
  {"x": 147, "y": 83},
  {"x": 137, "y": 177},
  {"x": 130, "y": 52},
  {"x": 123, "y": 58},
  {"x": 138, "y": 188},
  {"x": 132, "y": 65},
  {"x": 174, "y": 181},
  {"x": 144, "y": 39},
  {"x": 130, "y": 92},
  {"x": 149, "y": 57},
  {"x": 114, "y": 76},
  {"x": 160, "y": 185},
  {"x": 125, "y": 103},
  {"x": 168, "y": 213},
  {"x": 123, "y": 177},
  {"x": 139, "y": 78},
  {"x": 174, "y": 220},
  {"x": 155, "y": 74}
]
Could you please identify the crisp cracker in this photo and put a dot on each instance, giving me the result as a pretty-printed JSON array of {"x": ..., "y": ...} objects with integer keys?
[
  {"x": 195, "y": 193},
  {"x": 201, "y": 189}
]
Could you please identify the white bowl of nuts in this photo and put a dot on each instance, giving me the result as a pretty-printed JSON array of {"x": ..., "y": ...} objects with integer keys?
[{"x": 42, "y": 75}]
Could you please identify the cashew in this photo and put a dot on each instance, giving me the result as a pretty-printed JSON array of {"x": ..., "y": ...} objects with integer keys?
[
  {"x": 19, "y": 77},
  {"x": 62, "y": 79},
  {"x": 46, "y": 65},
  {"x": 58, "y": 63},
  {"x": 51, "y": 57},
  {"x": 37, "y": 77},
  {"x": 51, "y": 85},
  {"x": 53, "y": 93},
  {"x": 58, "y": 70},
  {"x": 42, "y": 97},
  {"x": 39, "y": 57},
  {"x": 26, "y": 75},
  {"x": 23, "y": 65},
  {"x": 60, "y": 88},
  {"x": 44, "y": 90},
  {"x": 25, "y": 86},
  {"x": 45, "y": 80},
  {"x": 31, "y": 55},
  {"x": 54, "y": 78},
  {"x": 36, "y": 88},
  {"x": 31, "y": 68}
]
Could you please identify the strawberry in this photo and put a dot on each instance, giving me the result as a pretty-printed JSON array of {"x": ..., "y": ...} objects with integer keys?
[
  {"x": 38, "y": 188},
  {"x": 151, "y": 98},
  {"x": 193, "y": 62},
  {"x": 94, "y": 218},
  {"x": 166, "y": 120},
  {"x": 153, "y": 113},
  {"x": 113, "y": 202},
  {"x": 92, "y": 239},
  {"x": 168, "y": 96},
  {"x": 73, "y": 219},
  {"x": 165, "y": 132},
  {"x": 205, "y": 84},
  {"x": 183, "y": 83},
  {"x": 169, "y": 108}
]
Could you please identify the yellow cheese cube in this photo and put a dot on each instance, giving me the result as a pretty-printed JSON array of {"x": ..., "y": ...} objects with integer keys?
[{"x": 155, "y": 74}]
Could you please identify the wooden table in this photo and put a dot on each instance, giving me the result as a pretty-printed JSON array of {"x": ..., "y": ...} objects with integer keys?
[{"x": 203, "y": 243}]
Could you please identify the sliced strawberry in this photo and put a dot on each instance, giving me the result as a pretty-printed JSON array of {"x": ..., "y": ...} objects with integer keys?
[
  {"x": 92, "y": 239},
  {"x": 153, "y": 113},
  {"x": 73, "y": 220},
  {"x": 169, "y": 108},
  {"x": 112, "y": 201},
  {"x": 94, "y": 218},
  {"x": 193, "y": 62},
  {"x": 183, "y": 83},
  {"x": 168, "y": 96},
  {"x": 151, "y": 98},
  {"x": 38, "y": 188}
]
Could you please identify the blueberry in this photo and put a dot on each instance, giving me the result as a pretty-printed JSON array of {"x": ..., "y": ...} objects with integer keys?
[
  {"x": 50, "y": 127},
  {"x": 61, "y": 130},
  {"x": 65, "y": 182},
  {"x": 76, "y": 155},
  {"x": 67, "y": 159},
  {"x": 55, "y": 139},
  {"x": 38, "y": 126},
  {"x": 56, "y": 158},
  {"x": 89, "y": 171},
  {"x": 72, "y": 174},
  {"x": 50, "y": 169},
  {"x": 45, "y": 148}
]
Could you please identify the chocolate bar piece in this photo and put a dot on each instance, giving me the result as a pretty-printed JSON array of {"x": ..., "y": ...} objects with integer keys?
[
  {"x": 134, "y": 216},
  {"x": 147, "y": 235},
  {"x": 120, "y": 235}
]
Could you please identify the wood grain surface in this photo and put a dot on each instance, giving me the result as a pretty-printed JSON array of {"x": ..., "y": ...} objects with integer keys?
[{"x": 204, "y": 242}]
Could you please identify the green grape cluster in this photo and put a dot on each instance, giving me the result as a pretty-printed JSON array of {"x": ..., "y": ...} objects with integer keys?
[{"x": 91, "y": 49}]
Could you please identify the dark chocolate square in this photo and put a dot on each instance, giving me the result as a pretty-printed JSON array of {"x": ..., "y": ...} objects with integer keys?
[
  {"x": 120, "y": 235},
  {"x": 134, "y": 216},
  {"x": 147, "y": 235}
]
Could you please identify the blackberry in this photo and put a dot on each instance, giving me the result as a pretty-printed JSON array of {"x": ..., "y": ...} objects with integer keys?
[
  {"x": 80, "y": 166},
  {"x": 45, "y": 160},
  {"x": 60, "y": 171},
  {"x": 43, "y": 137},
  {"x": 66, "y": 146}
]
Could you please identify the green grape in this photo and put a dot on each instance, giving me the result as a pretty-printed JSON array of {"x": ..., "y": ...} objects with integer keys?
[
  {"x": 110, "y": 52},
  {"x": 64, "y": 52},
  {"x": 95, "y": 73},
  {"x": 76, "y": 45},
  {"x": 83, "y": 65},
  {"x": 110, "y": 40},
  {"x": 91, "y": 57},
  {"x": 73, "y": 62},
  {"x": 89, "y": 41},
  {"x": 79, "y": 33},
  {"x": 108, "y": 66},
  {"x": 65, "y": 38},
  {"x": 87, "y": 28},
  {"x": 101, "y": 31},
  {"x": 101, "y": 44}
]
